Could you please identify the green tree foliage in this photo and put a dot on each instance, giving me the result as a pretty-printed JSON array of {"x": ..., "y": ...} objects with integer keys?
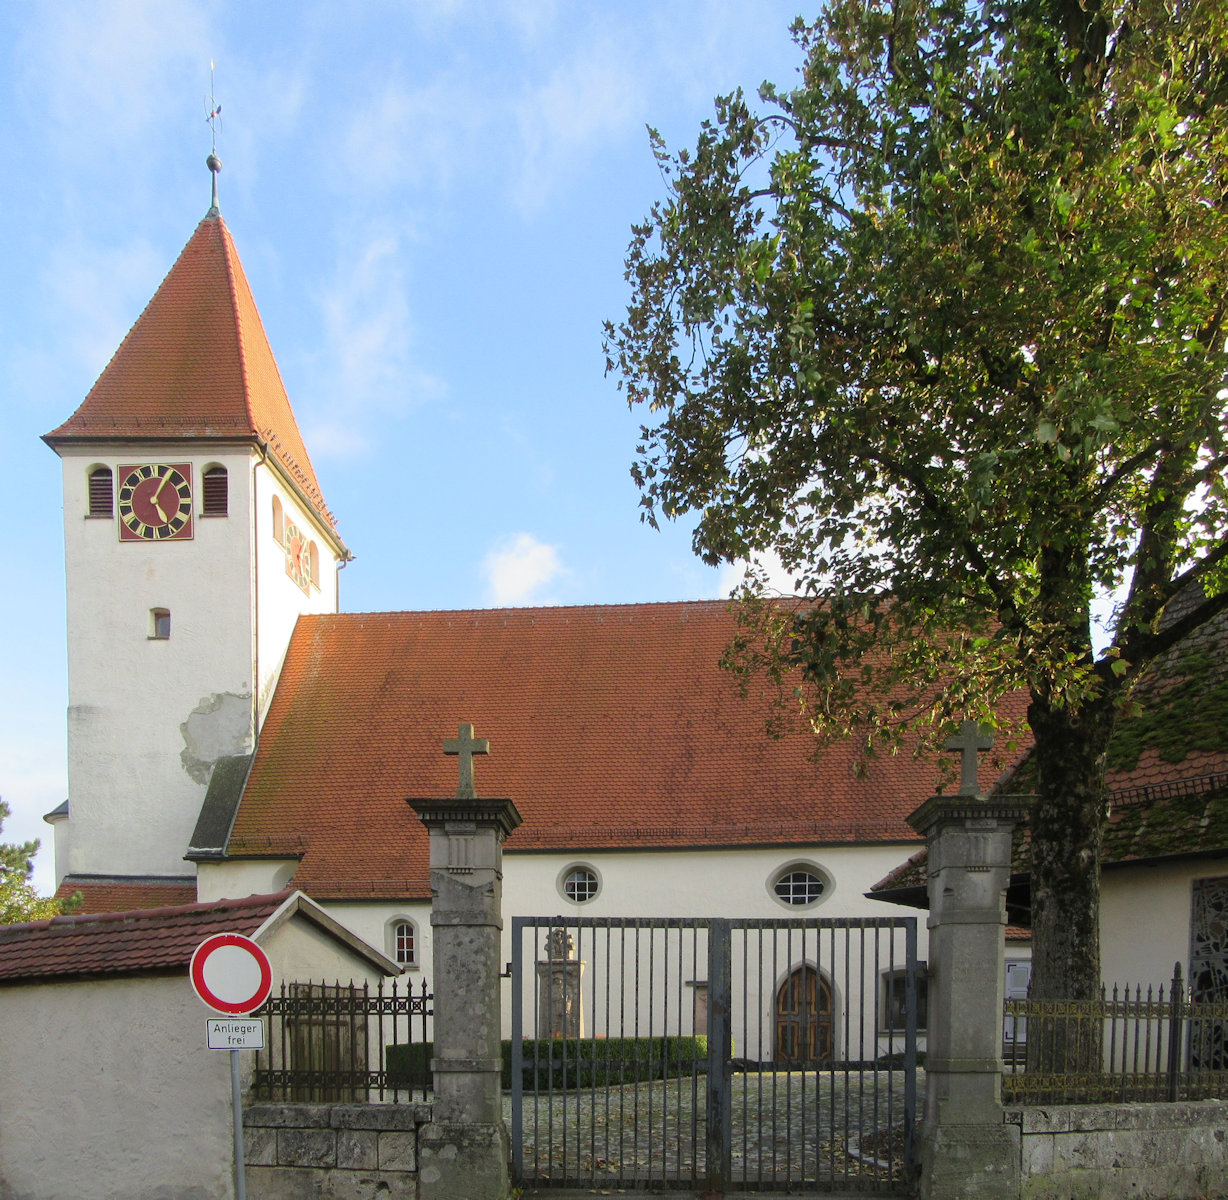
[
  {"x": 18, "y": 899},
  {"x": 943, "y": 327}
]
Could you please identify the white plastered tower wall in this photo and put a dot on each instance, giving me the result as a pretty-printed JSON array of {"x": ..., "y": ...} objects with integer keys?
[
  {"x": 280, "y": 601},
  {"x": 149, "y": 716}
]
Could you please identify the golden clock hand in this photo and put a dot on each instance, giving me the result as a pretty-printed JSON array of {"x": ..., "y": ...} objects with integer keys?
[{"x": 156, "y": 499}]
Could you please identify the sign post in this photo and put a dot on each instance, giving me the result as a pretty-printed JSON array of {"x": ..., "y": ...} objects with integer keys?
[{"x": 232, "y": 975}]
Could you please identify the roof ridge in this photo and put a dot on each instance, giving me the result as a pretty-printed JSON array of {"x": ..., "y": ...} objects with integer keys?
[{"x": 534, "y": 608}]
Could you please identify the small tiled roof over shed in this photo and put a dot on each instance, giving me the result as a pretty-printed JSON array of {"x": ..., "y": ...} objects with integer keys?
[{"x": 136, "y": 942}]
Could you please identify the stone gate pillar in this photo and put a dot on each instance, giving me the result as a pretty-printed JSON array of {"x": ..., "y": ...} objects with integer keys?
[
  {"x": 966, "y": 1149},
  {"x": 463, "y": 1153}
]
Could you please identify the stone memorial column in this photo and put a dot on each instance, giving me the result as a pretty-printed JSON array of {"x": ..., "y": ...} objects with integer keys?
[
  {"x": 966, "y": 1149},
  {"x": 463, "y": 1153},
  {"x": 559, "y": 974}
]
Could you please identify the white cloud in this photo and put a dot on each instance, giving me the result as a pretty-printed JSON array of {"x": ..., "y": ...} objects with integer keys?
[
  {"x": 779, "y": 581},
  {"x": 363, "y": 370},
  {"x": 519, "y": 568},
  {"x": 580, "y": 106},
  {"x": 106, "y": 73},
  {"x": 93, "y": 294},
  {"x": 408, "y": 136}
]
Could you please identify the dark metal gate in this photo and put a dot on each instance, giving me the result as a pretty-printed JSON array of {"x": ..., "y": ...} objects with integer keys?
[{"x": 714, "y": 1054}]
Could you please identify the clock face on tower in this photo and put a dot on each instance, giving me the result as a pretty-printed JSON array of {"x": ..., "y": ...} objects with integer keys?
[{"x": 155, "y": 502}]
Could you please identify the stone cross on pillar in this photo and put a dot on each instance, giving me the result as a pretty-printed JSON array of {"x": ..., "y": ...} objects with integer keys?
[
  {"x": 463, "y": 1152},
  {"x": 969, "y": 742},
  {"x": 967, "y": 1152},
  {"x": 465, "y": 746}
]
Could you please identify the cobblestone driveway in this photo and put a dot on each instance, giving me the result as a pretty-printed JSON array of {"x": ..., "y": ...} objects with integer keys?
[{"x": 828, "y": 1129}]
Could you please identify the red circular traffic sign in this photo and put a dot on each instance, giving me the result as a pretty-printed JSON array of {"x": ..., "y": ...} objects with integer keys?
[{"x": 231, "y": 974}]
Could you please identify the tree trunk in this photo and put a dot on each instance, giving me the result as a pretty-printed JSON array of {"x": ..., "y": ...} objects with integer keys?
[{"x": 1067, "y": 828}]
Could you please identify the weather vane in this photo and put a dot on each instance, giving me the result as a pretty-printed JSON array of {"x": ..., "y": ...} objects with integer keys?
[{"x": 213, "y": 115}]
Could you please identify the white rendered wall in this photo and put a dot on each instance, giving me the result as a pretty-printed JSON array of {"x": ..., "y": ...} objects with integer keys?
[
  {"x": 108, "y": 1090},
  {"x": 279, "y": 600},
  {"x": 700, "y": 883},
  {"x": 147, "y": 717},
  {"x": 233, "y": 879},
  {"x": 1145, "y": 920}
]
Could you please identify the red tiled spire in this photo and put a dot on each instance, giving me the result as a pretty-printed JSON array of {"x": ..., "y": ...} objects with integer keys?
[{"x": 197, "y": 364}]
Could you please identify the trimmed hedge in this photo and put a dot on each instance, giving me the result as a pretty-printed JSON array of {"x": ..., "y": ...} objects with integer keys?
[{"x": 566, "y": 1063}]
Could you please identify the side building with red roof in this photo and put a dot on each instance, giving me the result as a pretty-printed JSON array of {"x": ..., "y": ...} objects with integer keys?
[{"x": 109, "y": 1088}]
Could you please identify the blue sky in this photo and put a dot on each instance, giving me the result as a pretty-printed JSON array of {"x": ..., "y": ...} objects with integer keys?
[{"x": 432, "y": 201}]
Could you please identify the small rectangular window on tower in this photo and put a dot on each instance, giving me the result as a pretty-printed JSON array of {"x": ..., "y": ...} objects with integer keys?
[{"x": 160, "y": 623}]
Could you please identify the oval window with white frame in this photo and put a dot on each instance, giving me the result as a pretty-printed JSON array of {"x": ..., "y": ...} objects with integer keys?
[
  {"x": 579, "y": 883},
  {"x": 800, "y": 885}
]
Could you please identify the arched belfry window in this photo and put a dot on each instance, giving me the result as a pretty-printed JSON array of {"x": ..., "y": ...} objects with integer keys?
[
  {"x": 278, "y": 521},
  {"x": 217, "y": 492},
  {"x": 313, "y": 562},
  {"x": 102, "y": 493}
]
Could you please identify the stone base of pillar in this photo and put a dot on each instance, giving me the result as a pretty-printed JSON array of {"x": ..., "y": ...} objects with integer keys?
[
  {"x": 970, "y": 1162},
  {"x": 464, "y": 1162}
]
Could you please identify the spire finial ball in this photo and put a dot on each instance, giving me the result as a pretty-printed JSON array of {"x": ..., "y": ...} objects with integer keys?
[{"x": 213, "y": 163}]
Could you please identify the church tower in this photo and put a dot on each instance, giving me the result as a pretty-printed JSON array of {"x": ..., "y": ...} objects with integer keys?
[{"x": 195, "y": 533}]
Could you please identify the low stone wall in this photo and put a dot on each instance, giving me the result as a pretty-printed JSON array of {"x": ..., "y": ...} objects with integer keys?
[
  {"x": 1107, "y": 1152},
  {"x": 339, "y": 1151}
]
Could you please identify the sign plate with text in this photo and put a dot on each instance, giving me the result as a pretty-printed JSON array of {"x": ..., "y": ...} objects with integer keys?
[{"x": 235, "y": 1033}]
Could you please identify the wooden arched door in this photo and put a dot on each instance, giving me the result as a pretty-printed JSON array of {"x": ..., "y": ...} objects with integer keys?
[{"x": 803, "y": 1019}]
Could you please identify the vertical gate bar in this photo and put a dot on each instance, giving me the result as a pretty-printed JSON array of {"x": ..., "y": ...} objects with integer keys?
[
  {"x": 652, "y": 1038},
  {"x": 759, "y": 1047},
  {"x": 848, "y": 969},
  {"x": 831, "y": 1061},
  {"x": 743, "y": 1153},
  {"x": 695, "y": 1055},
  {"x": 861, "y": 1046},
  {"x": 606, "y": 974},
  {"x": 910, "y": 1039},
  {"x": 810, "y": 1033},
  {"x": 875, "y": 976},
  {"x": 718, "y": 1109},
  {"x": 1176, "y": 1032},
  {"x": 518, "y": 924},
  {"x": 794, "y": 1031},
  {"x": 536, "y": 1026},
  {"x": 635, "y": 1071},
  {"x": 777, "y": 1049},
  {"x": 622, "y": 1044}
]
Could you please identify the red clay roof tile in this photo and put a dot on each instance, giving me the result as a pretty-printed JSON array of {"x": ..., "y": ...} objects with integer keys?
[
  {"x": 197, "y": 364},
  {"x": 159, "y": 939},
  {"x": 610, "y": 727},
  {"x": 112, "y": 896}
]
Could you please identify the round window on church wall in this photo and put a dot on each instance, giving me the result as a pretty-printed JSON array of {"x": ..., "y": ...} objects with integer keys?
[
  {"x": 580, "y": 884},
  {"x": 798, "y": 886}
]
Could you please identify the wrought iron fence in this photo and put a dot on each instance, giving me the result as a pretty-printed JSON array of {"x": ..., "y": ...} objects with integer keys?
[
  {"x": 1126, "y": 1046},
  {"x": 346, "y": 1042}
]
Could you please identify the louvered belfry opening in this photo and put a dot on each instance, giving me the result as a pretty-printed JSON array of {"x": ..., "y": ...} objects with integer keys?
[
  {"x": 102, "y": 493},
  {"x": 216, "y": 492}
]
